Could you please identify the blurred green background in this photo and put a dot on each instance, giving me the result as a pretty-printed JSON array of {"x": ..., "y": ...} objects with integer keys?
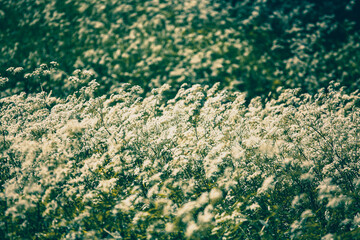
[{"x": 250, "y": 46}]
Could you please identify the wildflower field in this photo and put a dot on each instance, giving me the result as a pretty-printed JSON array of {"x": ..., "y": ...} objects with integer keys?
[{"x": 179, "y": 119}]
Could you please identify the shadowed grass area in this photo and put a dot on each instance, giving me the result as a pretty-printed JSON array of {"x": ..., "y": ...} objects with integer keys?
[{"x": 248, "y": 46}]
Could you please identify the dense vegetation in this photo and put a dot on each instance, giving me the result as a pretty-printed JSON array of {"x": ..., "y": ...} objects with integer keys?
[
  {"x": 251, "y": 46},
  {"x": 179, "y": 119},
  {"x": 199, "y": 166}
]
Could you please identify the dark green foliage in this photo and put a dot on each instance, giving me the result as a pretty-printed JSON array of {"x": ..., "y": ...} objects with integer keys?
[{"x": 251, "y": 46}]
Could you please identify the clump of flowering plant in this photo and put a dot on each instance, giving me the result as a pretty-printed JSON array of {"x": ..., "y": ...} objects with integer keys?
[{"x": 203, "y": 165}]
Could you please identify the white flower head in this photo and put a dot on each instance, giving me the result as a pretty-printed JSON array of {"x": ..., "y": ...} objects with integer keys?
[
  {"x": 328, "y": 236},
  {"x": 267, "y": 184},
  {"x": 206, "y": 216},
  {"x": 169, "y": 227},
  {"x": 215, "y": 195},
  {"x": 191, "y": 228}
]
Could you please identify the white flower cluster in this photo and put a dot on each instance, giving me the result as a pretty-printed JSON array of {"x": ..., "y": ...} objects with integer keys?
[{"x": 202, "y": 165}]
